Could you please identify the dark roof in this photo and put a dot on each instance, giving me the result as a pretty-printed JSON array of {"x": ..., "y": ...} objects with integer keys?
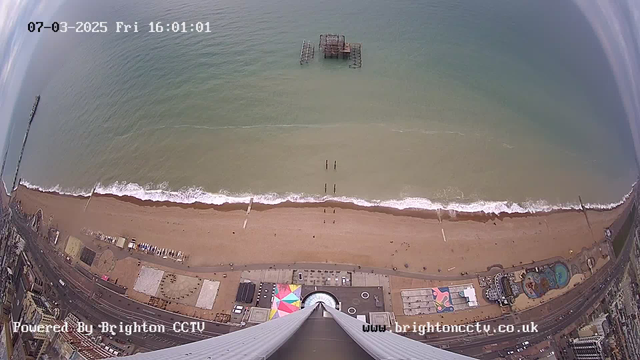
[
  {"x": 40, "y": 303},
  {"x": 245, "y": 292},
  {"x": 265, "y": 294}
]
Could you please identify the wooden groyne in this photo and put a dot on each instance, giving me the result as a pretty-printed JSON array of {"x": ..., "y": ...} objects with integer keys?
[
  {"x": 24, "y": 142},
  {"x": 307, "y": 52}
]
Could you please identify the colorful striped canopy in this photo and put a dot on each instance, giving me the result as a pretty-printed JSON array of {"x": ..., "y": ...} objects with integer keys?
[{"x": 286, "y": 300}]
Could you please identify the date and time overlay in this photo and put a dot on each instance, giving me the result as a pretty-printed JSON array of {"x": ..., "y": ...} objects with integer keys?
[{"x": 119, "y": 27}]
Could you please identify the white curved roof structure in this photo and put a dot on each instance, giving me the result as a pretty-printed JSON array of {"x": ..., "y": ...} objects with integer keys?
[{"x": 261, "y": 341}]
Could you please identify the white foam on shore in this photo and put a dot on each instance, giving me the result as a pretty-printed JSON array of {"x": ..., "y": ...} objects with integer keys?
[{"x": 198, "y": 195}]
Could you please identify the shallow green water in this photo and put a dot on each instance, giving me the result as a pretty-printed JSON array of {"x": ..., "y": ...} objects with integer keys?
[{"x": 457, "y": 101}]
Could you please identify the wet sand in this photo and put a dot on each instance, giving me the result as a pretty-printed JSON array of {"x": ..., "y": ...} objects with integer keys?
[{"x": 288, "y": 233}]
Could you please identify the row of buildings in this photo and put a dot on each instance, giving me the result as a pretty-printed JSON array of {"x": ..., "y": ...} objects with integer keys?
[
  {"x": 28, "y": 308},
  {"x": 614, "y": 332}
]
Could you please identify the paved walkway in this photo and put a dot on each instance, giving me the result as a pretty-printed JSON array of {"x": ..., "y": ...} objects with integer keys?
[{"x": 123, "y": 254}]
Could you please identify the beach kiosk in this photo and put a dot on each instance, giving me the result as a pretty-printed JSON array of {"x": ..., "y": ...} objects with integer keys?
[{"x": 120, "y": 242}]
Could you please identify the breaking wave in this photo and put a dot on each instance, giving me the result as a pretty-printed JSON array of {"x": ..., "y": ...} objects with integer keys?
[{"x": 198, "y": 195}]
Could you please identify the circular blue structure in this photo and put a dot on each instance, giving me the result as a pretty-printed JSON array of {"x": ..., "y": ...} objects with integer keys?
[
  {"x": 562, "y": 274},
  {"x": 549, "y": 277}
]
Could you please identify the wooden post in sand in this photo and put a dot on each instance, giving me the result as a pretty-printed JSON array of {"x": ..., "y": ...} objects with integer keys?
[
  {"x": 444, "y": 237},
  {"x": 90, "y": 196},
  {"x": 246, "y": 218},
  {"x": 584, "y": 211}
]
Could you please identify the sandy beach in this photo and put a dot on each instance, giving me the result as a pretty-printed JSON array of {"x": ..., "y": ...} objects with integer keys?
[{"x": 407, "y": 240}]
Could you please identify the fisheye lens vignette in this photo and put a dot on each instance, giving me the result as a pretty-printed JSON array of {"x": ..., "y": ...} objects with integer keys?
[{"x": 221, "y": 180}]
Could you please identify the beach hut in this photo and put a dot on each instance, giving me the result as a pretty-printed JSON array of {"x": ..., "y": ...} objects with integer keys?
[{"x": 120, "y": 242}]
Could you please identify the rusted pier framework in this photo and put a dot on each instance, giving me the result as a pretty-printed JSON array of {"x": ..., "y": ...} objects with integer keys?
[
  {"x": 355, "y": 56},
  {"x": 333, "y": 45},
  {"x": 307, "y": 52},
  {"x": 336, "y": 46},
  {"x": 24, "y": 142}
]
